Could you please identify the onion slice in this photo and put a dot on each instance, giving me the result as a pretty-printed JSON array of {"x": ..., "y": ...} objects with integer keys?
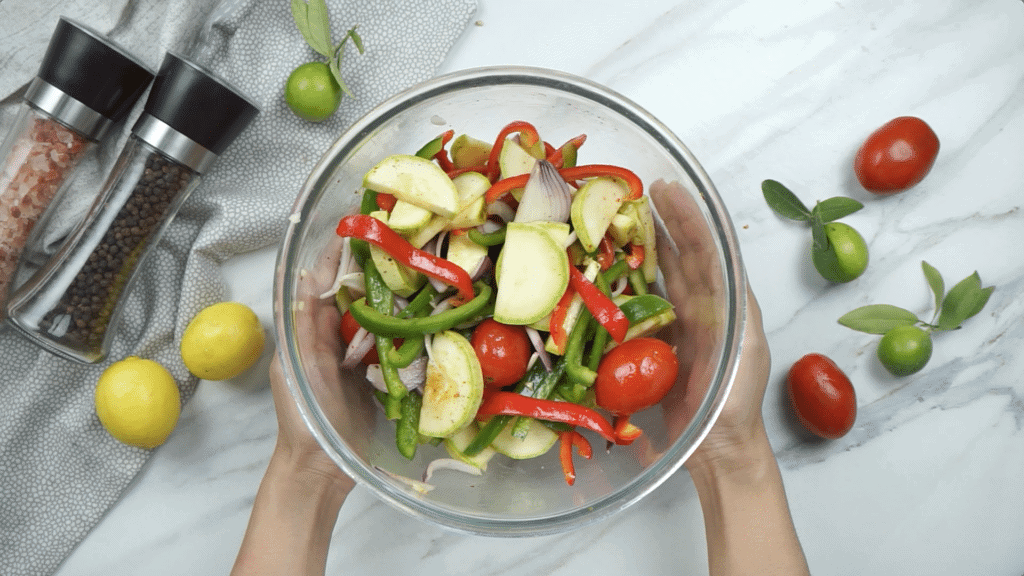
[
  {"x": 538, "y": 345},
  {"x": 361, "y": 343},
  {"x": 413, "y": 376},
  {"x": 345, "y": 265},
  {"x": 449, "y": 464},
  {"x": 420, "y": 487},
  {"x": 546, "y": 196}
]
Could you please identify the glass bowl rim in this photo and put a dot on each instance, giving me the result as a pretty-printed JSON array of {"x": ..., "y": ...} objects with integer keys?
[{"x": 650, "y": 478}]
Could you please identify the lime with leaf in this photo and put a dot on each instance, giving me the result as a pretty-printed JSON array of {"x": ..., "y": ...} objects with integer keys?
[
  {"x": 838, "y": 251},
  {"x": 314, "y": 90},
  {"x": 906, "y": 344}
]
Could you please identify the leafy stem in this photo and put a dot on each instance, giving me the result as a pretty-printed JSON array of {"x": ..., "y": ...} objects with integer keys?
[
  {"x": 313, "y": 22},
  {"x": 964, "y": 300},
  {"x": 786, "y": 204}
]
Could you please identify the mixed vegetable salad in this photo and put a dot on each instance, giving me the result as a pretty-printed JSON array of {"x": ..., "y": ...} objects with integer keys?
[{"x": 498, "y": 293}]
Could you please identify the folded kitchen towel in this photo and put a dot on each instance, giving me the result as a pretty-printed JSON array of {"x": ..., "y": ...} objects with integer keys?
[{"x": 59, "y": 469}]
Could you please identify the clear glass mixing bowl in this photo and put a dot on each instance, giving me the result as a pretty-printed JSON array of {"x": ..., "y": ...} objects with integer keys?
[{"x": 701, "y": 274}]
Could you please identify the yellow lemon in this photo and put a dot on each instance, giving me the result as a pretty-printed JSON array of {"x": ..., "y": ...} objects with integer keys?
[
  {"x": 138, "y": 402},
  {"x": 222, "y": 341}
]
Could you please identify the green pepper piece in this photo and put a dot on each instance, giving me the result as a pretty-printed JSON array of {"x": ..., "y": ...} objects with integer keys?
[
  {"x": 430, "y": 149},
  {"x": 600, "y": 334},
  {"x": 385, "y": 325},
  {"x": 488, "y": 238},
  {"x": 419, "y": 303},
  {"x": 487, "y": 433},
  {"x": 638, "y": 282},
  {"x": 639, "y": 308},
  {"x": 407, "y": 435},
  {"x": 617, "y": 270},
  {"x": 382, "y": 300},
  {"x": 574, "y": 368}
]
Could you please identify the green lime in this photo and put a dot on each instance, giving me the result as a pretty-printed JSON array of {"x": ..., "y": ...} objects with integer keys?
[
  {"x": 312, "y": 92},
  {"x": 846, "y": 256},
  {"x": 905, "y": 350}
]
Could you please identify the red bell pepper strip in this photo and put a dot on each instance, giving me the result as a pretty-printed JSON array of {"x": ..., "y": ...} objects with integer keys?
[
  {"x": 556, "y": 325},
  {"x": 633, "y": 182},
  {"x": 556, "y": 156},
  {"x": 601, "y": 306},
  {"x": 460, "y": 171},
  {"x": 500, "y": 402},
  {"x": 386, "y": 201},
  {"x": 572, "y": 439},
  {"x": 634, "y": 256},
  {"x": 636, "y": 187},
  {"x": 605, "y": 253},
  {"x": 376, "y": 232},
  {"x": 504, "y": 186},
  {"x": 528, "y": 136},
  {"x": 442, "y": 154}
]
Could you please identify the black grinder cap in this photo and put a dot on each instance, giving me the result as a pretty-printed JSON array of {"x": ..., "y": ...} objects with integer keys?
[
  {"x": 90, "y": 68},
  {"x": 196, "y": 103}
]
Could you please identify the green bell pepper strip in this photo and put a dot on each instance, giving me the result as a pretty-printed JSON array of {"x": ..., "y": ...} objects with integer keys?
[
  {"x": 574, "y": 368},
  {"x": 616, "y": 271},
  {"x": 488, "y": 238},
  {"x": 407, "y": 435},
  {"x": 387, "y": 326},
  {"x": 601, "y": 334},
  {"x": 542, "y": 385},
  {"x": 434, "y": 150},
  {"x": 376, "y": 232},
  {"x": 487, "y": 433},
  {"x": 639, "y": 308},
  {"x": 638, "y": 282},
  {"x": 420, "y": 303},
  {"x": 382, "y": 300}
]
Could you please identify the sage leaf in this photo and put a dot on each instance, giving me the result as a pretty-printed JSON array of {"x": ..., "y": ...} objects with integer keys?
[
  {"x": 335, "y": 67},
  {"x": 935, "y": 282},
  {"x": 313, "y": 23},
  {"x": 878, "y": 318},
  {"x": 836, "y": 208},
  {"x": 784, "y": 202},
  {"x": 964, "y": 300}
]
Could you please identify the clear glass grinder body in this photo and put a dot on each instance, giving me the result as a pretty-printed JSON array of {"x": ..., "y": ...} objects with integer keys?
[
  {"x": 71, "y": 304},
  {"x": 85, "y": 85}
]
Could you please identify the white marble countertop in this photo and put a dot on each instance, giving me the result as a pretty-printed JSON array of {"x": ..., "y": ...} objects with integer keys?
[{"x": 928, "y": 482}]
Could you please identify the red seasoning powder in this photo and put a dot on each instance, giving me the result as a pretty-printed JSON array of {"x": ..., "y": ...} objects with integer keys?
[{"x": 39, "y": 162}]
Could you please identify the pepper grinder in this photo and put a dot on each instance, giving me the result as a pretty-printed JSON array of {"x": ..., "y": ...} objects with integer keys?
[
  {"x": 85, "y": 85},
  {"x": 190, "y": 118}
]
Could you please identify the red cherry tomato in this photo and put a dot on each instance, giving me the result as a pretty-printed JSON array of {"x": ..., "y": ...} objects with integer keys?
[
  {"x": 503, "y": 350},
  {"x": 348, "y": 329},
  {"x": 896, "y": 156},
  {"x": 635, "y": 375},
  {"x": 822, "y": 396}
]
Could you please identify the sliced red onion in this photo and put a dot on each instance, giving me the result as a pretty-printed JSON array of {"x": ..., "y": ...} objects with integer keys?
[
  {"x": 538, "y": 345},
  {"x": 481, "y": 269},
  {"x": 546, "y": 196},
  {"x": 449, "y": 464},
  {"x": 355, "y": 283},
  {"x": 435, "y": 246},
  {"x": 501, "y": 210},
  {"x": 421, "y": 487},
  {"x": 489, "y": 226},
  {"x": 361, "y": 343},
  {"x": 620, "y": 286},
  {"x": 345, "y": 265},
  {"x": 413, "y": 376}
]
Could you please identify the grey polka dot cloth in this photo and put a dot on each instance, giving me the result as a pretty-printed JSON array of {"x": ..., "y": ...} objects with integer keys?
[{"x": 59, "y": 470}]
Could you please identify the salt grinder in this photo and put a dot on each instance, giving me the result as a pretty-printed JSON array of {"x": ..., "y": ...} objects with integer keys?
[
  {"x": 85, "y": 85},
  {"x": 190, "y": 118}
]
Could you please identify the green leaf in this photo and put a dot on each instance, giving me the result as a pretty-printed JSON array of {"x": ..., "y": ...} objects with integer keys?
[
  {"x": 878, "y": 318},
  {"x": 335, "y": 66},
  {"x": 964, "y": 300},
  {"x": 835, "y": 208},
  {"x": 784, "y": 202},
  {"x": 935, "y": 282},
  {"x": 818, "y": 234},
  {"x": 356, "y": 39},
  {"x": 313, "y": 23}
]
